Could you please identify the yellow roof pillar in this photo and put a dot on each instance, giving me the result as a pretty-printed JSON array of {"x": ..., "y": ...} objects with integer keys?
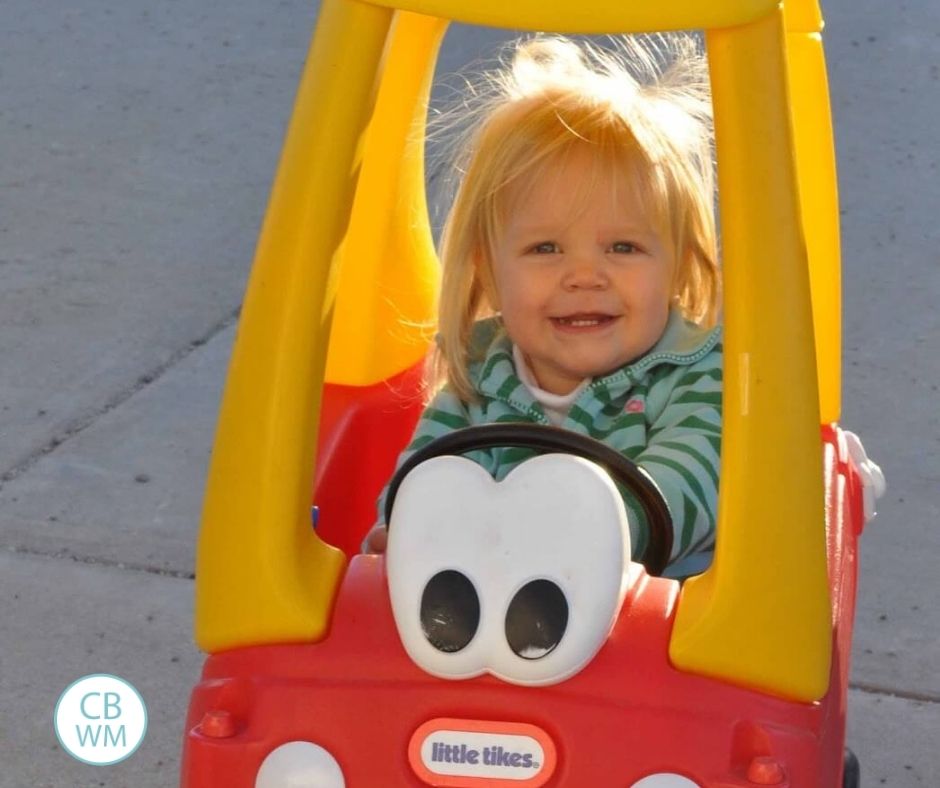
[
  {"x": 816, "y": 168},
  {"x": 760, "y": 616},
  {"x": 386, "y": 306},
  {"x": 262, "y": 575}
]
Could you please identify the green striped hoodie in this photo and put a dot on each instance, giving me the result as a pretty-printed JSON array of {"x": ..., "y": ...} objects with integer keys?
[{"x": 663, "y": 411}]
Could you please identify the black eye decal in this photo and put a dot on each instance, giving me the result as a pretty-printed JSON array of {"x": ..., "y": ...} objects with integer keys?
[
  {"x": 450, "y": 611},
  {"x": 536, "y": 619}
]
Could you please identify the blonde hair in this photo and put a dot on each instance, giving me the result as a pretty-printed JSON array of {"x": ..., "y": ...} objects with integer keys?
[{"x": 643, "y": 107}]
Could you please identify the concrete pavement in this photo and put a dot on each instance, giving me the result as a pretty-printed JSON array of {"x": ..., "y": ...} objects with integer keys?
[{"x": 139, "y": 142}]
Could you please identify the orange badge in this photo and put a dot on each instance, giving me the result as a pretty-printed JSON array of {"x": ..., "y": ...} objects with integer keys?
[{"x": 477, "y": 753}]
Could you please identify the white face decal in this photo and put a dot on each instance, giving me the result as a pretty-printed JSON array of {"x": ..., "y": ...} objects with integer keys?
[{"x": 522, "y": 578}]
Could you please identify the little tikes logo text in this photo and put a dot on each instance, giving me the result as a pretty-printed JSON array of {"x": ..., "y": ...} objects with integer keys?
[
  {"x": 452, "y": 752},
  {"x": 488, "y": 756}
]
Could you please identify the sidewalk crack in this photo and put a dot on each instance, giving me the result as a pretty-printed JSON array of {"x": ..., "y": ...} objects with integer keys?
[
  {"x": 878, "y": 689},
  {"x": 127, "y": 566},
  {"x": 116, "y": 400}
]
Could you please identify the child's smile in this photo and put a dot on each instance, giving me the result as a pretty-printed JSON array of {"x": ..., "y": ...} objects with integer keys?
[
  {"x": 583, "y": 322},
  {"x": 583, "y": 278}
]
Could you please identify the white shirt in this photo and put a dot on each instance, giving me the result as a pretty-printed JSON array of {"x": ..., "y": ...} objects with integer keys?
[{"x": 556, "y": 406}]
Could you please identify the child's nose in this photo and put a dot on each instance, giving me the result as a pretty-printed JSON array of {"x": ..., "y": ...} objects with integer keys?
[{"x": 586, "y": 272}]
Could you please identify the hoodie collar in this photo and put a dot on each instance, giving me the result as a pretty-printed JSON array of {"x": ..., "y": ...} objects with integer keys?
[{"x": 682, "y": 343}]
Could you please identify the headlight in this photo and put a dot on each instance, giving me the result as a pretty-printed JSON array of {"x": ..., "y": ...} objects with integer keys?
[
  {"x": 664, "y": 780},
  {"x": 300, "y": 764}
]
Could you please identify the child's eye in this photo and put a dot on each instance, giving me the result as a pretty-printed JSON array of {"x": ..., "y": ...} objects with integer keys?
[
  {"x": 624, "y": 247},
  {"x": 545, "y": 247}
]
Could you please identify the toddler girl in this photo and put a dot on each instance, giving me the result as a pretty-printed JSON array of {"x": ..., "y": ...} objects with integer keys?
[{"x": 580, "y": 280}]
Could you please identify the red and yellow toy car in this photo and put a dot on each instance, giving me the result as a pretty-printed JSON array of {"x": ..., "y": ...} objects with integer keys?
[{"x": 552, "y": 660}]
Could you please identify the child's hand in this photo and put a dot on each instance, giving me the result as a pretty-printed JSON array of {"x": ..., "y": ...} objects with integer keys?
[{"x": 376, "y": 540}]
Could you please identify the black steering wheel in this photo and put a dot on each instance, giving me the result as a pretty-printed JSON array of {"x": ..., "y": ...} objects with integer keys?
[{"x": 554, "y": 439}]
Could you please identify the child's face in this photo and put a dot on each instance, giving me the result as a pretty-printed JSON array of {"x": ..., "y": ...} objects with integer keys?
[{"x": 583, "y": 283}]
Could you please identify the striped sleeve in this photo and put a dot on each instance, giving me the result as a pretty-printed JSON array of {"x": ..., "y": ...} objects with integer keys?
[
  {"x": 445, "y": 413},
  {"x": 683, "y": 451}
]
